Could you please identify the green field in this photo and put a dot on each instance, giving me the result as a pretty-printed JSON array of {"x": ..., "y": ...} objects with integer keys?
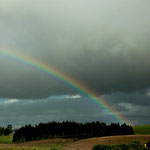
[
  {"x": 142, "y": 129},
  {"x": 6, "y": 139}
]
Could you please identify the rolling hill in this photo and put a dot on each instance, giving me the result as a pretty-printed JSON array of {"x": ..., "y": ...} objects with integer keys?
[{"x": 88, "y": 144}]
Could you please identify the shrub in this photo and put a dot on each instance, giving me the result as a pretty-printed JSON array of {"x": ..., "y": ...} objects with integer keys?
[
  {"x": 101, "y": 147},
  {"x": 135, "y": 145},
  {"x": 119, "y": 147}
]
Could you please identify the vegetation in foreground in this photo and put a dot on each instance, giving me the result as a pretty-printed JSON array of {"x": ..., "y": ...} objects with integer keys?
[
  {"x": 142, "y": 129},
  {"x": 135, "y": 145},
  {"x": 70, "y": 130}
]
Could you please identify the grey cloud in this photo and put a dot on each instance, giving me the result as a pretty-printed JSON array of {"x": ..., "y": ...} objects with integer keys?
[
  {"x": 104, "y": 45},
  {"x": 44, "y": 110},
  {"x": 133, "y": 106},
  {"x": 59, "y": 109},
  {"x": 141, "y": 99},
  {"x": 136, "y": 114}
]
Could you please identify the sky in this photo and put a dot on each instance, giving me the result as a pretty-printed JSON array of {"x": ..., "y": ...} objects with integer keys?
[{"x": 104, "y": 45}]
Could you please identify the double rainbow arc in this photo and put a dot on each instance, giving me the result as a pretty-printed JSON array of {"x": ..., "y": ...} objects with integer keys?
[{"x": 65, "y": 79}]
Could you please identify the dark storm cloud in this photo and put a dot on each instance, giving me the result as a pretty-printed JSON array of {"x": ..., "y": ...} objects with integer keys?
[
  {"x": 50, "y": 109},
  {"x": 134, "y": 98},
  {"x": 104, "y": 45},
  {"x": 133, "y": 106},
  {"x": 69, "y": 107}
]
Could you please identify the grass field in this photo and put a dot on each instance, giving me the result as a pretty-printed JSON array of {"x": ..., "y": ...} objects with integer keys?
[
  {"x": 50, "y": 144},
  {"x": 6, "y": 139},
  {"x": 142, "y": 129}
]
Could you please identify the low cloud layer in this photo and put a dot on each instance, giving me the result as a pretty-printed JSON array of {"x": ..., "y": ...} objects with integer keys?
[{"x": 81, "y": 109}]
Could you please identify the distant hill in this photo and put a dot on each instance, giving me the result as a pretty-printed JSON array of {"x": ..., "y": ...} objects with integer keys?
[{"x": 142, "y": 129}]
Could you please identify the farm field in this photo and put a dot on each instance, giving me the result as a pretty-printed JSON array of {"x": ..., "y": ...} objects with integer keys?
[
  {"x": 88, "y": 144},
  {"x": 142, "y": 129},
  {"x": 69, "y": 144},
  {"x": 57, "y": 144}
]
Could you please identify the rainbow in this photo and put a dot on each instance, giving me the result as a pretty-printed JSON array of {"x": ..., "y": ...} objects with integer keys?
[{"x": 65, "y": 79}]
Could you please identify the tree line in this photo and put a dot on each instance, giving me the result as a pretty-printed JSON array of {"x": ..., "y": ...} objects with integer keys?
[
  {"x": 70, "y": 129},
  {"x": 6, "y": 131}
]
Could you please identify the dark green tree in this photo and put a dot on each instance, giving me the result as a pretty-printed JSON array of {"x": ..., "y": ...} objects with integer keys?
[{"x": 8, "y": 130}]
